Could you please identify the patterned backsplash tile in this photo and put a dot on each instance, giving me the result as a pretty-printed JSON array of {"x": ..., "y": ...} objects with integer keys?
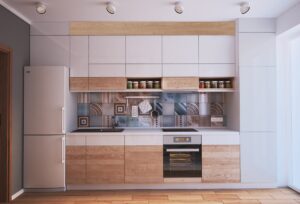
[{"x": 174, "y": 109}]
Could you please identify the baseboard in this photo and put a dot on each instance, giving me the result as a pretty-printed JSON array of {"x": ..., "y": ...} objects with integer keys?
[{"x": 17, "y": 194}]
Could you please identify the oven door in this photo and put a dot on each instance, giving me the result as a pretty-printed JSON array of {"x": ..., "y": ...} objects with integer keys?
[{"x": 182, "y": 161}]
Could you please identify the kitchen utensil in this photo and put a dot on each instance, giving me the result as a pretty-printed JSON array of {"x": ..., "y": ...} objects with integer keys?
[
  {"x": 145, "y": 106},
  {"x": 154, "y": 113}
]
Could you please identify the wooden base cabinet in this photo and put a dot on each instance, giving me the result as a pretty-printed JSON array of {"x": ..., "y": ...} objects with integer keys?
[
  {"x": 221, "y": 164},
  {"x": 143, "y": 164},
  {"x": 75, "y": 164},
  {"x": 105, "y": 165}
]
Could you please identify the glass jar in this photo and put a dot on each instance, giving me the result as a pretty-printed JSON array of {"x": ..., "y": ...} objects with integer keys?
[
  {"x": 149, "y": 84},
  {"x": 214, "y": 84},
  {"x": 228, "y": 84},
  {"x": 207, "y": 84},
  {"x": 129, "y": 84},
  {"x": 157, "y": 84},
  {"x": 221, "y": 84},
  {"x": 142, "y": 84},
  {"x": 201, "y": 85},
  {"x": 135, "y": 85}
]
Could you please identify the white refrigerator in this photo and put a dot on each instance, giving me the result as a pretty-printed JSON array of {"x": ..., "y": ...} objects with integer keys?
[{"x": 49, "y": 112}]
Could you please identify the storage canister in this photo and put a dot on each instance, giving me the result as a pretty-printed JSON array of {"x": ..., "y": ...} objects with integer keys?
[
  {"x": 135, "y": 84},
  {"x": 228, "y": 84},
  {"x": 207, "y": 84},
  {"x": 221, "y": 84},
  {"x": 214, "y": 84}
]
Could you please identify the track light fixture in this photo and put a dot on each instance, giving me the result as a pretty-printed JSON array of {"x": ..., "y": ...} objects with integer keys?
[
  {"x": 41, "y": 8},
  {"x": 111, "y": 8},
  {"x": 244, "y": 7},
  {"x": 178, "y": 8}
]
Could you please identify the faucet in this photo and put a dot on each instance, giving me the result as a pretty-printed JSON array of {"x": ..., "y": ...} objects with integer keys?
[{"x": 114, "y": 122}]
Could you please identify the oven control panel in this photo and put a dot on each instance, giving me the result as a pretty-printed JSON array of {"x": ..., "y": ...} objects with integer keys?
[{"x": 182, "y": 139}]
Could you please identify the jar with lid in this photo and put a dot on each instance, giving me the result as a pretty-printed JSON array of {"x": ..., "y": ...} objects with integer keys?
[
  {"x": 214, "y": 84},
  {"x": 201, "y": 85},
  {"x": 221, "y": 84},
  {"x": 149, "y": 85},
  {"x": 129, "y": 84},
  {"x": 157, "y": 84},
  {"x": 228, "y": 84},
  {"x": 142, "y": 84},
  {"x": 207, "y": 84},
  {"x": 135, "y": 85}
]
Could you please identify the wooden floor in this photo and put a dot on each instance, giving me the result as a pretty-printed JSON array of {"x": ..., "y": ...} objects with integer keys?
[{"x": 266, "y": 196}]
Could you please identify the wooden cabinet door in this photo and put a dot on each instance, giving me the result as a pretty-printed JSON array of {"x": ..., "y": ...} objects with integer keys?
[
  {"x": 79, "y": 84},
  {"x": 75, "y": 165},
  {"x": 107, "y": 83},
  {"x": 180, "y": 83},
  {"x": 105, "y": 164},
  {"x": 221, "y": 163},
  {"x": 143, "y": 164}
]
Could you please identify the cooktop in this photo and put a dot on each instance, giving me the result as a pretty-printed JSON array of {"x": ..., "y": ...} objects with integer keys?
[{"x": 179, "y": 130}]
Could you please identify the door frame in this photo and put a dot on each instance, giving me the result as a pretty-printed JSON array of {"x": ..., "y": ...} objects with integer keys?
[{"x": 8, "y": 140}]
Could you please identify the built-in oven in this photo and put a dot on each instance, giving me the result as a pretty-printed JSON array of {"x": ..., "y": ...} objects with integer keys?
[{"x": 182, "y": 156}]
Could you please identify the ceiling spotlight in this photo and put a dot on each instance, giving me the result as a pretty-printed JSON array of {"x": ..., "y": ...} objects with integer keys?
[
  {"x": 244, "y": 7},
  {"x": 178, "y": 8},
  {"x": 41, "y": 8},
  {"x": 111, "y": 8}
]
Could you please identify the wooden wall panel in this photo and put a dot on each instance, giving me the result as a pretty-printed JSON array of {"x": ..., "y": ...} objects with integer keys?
[
  {"x": 105, "y": 164},
  {"x": 79, "y": 83},
  {"x": 221, "y": 163},
  {"x": 75, "y": 164},
  {"x": 107, "y": 83},
  {"x": 143, "y": 164},
  {"x": 180, "y": 83},
  {"x": 152, "y": 28}
]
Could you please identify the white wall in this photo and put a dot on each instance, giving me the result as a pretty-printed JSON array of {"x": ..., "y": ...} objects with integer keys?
[{"x": 288, "y": 19}]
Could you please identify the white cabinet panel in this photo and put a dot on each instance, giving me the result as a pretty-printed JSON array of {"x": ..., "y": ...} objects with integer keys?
[
  {"x": 257, "y": 49},
  {"x": 49, "y": 51},
  {"x": 107, "y": 49},
  {"x": 221, "y": 138},
  {"x": 258, "y": 99},
  {"x": 105, "y": 140},
  {"x": 143, "y": 70},
  {"x": 147, "y": 140},
  {"x": 180, "y": 70},
  {"x": 180, "y": 49},
  {"x": 216, "y": 70},
  {"x": 49, "y": 28},
  {"x": 79, "y": 56},
  {"x": 258, "y": 157},
  {"x": 216, "y": 49},
  {"x": 143, "y": 49},
  {"x": 107, "y": 70}
]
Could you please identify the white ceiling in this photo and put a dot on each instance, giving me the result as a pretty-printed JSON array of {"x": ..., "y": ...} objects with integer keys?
[{"x": 149, "y": 10}]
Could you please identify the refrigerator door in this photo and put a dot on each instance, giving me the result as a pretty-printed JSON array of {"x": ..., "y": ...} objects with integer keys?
[
  {"x": 44, "y": 162},
  {"x": 44, "y": 100}
]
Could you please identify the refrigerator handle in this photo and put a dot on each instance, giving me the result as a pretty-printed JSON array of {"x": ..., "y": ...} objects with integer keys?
[
  {"x": 63, "y": 150},
  {"x": 63, "y": 120}
]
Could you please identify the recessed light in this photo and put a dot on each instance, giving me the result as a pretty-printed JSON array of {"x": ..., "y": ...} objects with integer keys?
[
  {"x": 178, "y": 8},
  {"x": 111, "y": 8},
  {"x": 41, "y": 8},
  {"x": 245, "y": 7}
]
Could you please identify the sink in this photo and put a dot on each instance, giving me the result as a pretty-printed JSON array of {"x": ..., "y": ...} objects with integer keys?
[{"x": 100, "y": 130}]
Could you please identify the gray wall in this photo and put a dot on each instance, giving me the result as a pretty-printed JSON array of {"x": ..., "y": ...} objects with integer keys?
[{"x": 14, "y": 33}]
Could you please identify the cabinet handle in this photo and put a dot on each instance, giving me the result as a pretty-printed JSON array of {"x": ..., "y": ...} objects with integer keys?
[
  {"x": 63, "y": 150},
  {"x": 182, "y": 150},
  {"x": 63, "y": 120}
]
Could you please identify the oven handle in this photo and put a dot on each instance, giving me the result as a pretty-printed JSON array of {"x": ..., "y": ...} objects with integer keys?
[{"x": 183, "y": 150}]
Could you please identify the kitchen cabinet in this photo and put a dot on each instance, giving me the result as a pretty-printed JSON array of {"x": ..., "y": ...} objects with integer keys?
[
  {"x": 79, "y": 84},
  {"x": 216, "y": 70},
  {"x": 75, "y": 160},
  {"x": 79, "y": 60},
  {"x": 107, "y": 49},
  {"x": 257, "y": 99},
  {"x": 107, "y": 83},
  {"x": 216, "y": 49},
  {"x": 143, "y": 49},
  {"x": 49, "y": 51},
  {"x": 180, "y": 83},
  {"x": 180, "y": 70},
  {"x": 144, "y": 164},
  {"x": 258, "y": 157},
  {"x": 180, "y": 49},
  {"x": 257, "y": 49},
  {"x": 105, "y": 159},
  {"x": 107, "y": 70},
  {"x": 143, "y": 70},
  {"x": 220, "y": 163}
]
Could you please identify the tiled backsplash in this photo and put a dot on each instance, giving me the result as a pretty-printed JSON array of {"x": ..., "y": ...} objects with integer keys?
[{"x": 175, "y": 109}]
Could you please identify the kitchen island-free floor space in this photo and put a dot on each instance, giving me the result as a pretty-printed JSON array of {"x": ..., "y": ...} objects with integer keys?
[{"x": 258, "y": 196}]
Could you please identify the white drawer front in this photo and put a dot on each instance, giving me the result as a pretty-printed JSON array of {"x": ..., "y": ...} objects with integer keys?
[
  {"x": 75, "y": 140},
  {"x": 221, "y": 139},
  {"x": 143, "y": 140},
  {"x": 104, "y": 140}
]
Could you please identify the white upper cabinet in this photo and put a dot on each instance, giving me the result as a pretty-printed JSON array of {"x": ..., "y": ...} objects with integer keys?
[
  {"x": 216, "y": 49},
  {"x": 180, "y": 49},
  {"x": 107, "y": 49},
  {"x": 79, "y": 56},
  {"x": 107, "y": 70},
  {"x": 143, "y": 49},
  {"x": 144, "y": 70},
  {"x": 217, "y": 70},
  {"x": 180, "y": 70},
  {"x": 258, "y": 99},
  {"x": 49, "y": 50},
  {"x": 257, "y": 49}
]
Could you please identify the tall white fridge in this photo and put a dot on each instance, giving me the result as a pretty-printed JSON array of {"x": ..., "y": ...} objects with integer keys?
[{"x": 49, "y": 112}]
